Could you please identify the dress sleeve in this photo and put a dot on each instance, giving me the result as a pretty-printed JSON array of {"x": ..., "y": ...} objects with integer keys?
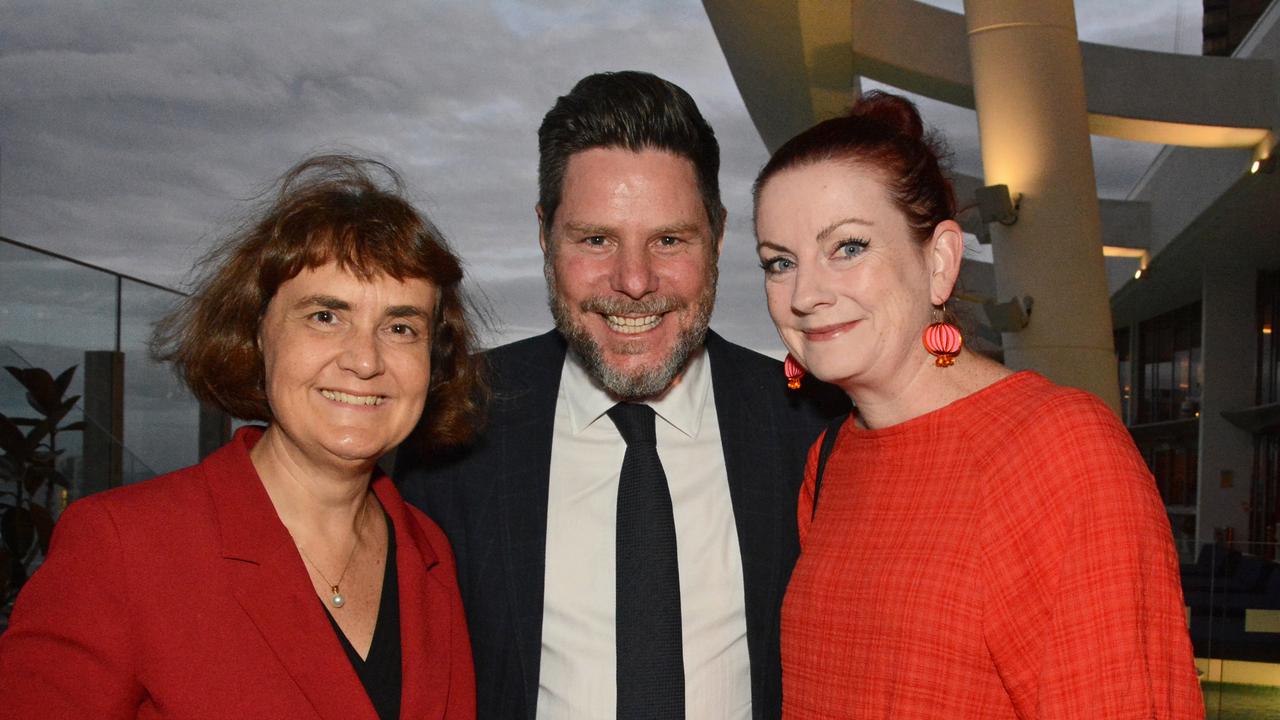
[
  {"x": 1084, "y": 615},
  {"x": 68, "y": 652}
]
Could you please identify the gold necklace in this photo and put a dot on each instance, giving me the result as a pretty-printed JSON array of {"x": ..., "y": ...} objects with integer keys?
[{"x": 337, "y": 600}]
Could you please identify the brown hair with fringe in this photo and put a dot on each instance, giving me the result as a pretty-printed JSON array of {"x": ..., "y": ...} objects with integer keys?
[{"x": 327, "y": 209}]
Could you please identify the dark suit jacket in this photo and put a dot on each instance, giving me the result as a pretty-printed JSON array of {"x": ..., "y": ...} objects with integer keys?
[
  {"x": 185, "y": 597},
  {"x": 491, "y": 500}
]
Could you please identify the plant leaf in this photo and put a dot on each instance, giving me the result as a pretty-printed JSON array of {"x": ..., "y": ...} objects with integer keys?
[
  {"x": 6, "y": 565},
  {"x": 12, "y": 440},
  {"x": 43, "y": 387},
  {"x": 63, "y": 381},
  {"x": 18, "y": 529},
  {"x": 61, "y": 409},
  {"x": 42, "y": 393},
  {"x": 44, "y": 468},
  {"x": 43, "y": 522},
  {"x": 77, "y": 425},
  {"x": 59, "y": 479},
  {"x": 35, "y": 435},
  {"x": 32, "y": 481}
]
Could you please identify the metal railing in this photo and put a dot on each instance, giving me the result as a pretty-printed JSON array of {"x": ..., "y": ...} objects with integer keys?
[{"x": 55, "y": 311}]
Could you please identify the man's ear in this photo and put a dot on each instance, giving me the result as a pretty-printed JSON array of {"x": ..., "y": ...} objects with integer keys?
[
  {"x": 945, "y": 251},
  {"x": 724, "y": 223},
  {"x": 542, "y": 229}
]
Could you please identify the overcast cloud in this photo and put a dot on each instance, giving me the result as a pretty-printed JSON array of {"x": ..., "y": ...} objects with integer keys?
[{"x": 131, "y": 132}]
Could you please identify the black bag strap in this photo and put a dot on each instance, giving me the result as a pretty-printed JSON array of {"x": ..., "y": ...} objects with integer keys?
[{"x": 828, "y": 442}]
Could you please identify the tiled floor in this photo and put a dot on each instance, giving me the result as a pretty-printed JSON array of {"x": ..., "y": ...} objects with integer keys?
[{"x": 1240, "y": 702}]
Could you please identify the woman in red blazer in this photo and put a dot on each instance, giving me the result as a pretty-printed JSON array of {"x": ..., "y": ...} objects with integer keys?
[{"x": 283, "y": 576}]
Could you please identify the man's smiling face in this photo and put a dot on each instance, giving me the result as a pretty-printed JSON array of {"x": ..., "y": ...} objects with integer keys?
[{"x": 631, "y": 266}]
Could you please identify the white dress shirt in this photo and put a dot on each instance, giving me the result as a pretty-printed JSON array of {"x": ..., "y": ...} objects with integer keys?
[{"x": 578, "y": 675}]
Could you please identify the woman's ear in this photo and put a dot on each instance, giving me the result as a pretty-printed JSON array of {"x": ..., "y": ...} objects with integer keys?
[{"x": 945, "y": 251}]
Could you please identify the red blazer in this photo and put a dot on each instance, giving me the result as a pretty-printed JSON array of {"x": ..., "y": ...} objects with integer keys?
[{"x": 185, "y": 597}]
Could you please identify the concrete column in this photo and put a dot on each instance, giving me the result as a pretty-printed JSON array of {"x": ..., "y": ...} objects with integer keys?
[
  {"x": 1229, "y": 345},
  {"x": 104, "y": 421},
  {"x": 1028, "y": 84}
]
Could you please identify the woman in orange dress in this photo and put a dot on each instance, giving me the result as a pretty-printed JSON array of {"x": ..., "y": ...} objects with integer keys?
[{"x": 986, "y": 544}]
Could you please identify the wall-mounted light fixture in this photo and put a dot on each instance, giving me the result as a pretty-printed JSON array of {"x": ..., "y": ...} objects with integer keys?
[
  {"x": 1142, "y": 255},
  {"x": 1010, "y": 316},
  {"x": 995, "y": 204},
  {"x": 1264, "y": 156}
]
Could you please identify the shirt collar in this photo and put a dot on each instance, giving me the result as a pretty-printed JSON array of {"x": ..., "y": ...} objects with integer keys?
[{"x": 681, "y": 406}]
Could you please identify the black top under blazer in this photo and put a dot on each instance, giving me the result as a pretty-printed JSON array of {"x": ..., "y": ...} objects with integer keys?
[{"x": 491, "y": 501}]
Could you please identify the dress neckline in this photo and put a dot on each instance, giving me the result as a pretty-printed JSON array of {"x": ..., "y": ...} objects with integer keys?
[{"x": 1020, "y": 378}]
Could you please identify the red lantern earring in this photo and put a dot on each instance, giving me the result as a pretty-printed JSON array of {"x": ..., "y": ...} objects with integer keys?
[
  {"x": 943, "y": 340},
  {"x": 794, "y": 372}
]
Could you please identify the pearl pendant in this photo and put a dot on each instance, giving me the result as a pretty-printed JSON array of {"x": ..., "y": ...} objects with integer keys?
[{"x": 338, "y": 601}]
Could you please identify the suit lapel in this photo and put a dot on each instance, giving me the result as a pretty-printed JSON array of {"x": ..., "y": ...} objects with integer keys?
[
  {"x": 425, "y": 632},
  {"x": 530, "y": 385},
  {"x": 271, "y": 584},
  {"x": 749, "y": 437}
]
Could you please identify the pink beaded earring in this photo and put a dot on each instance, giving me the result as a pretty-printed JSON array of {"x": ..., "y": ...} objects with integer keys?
[{"x": 794, "y": 372}]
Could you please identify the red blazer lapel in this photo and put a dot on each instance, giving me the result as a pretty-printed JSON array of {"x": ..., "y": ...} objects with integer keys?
[
  {"x": 425, "y": 623},
  {"x": 270, "y": 582}
]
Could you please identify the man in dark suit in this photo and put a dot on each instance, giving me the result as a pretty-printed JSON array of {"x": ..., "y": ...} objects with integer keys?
[{"x": 581, "y": 602}]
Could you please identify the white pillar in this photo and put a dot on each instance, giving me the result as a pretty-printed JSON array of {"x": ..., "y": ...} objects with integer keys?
[
  {"x": 1228, "y": 348},
  {"x": 1028, "y": 84}
]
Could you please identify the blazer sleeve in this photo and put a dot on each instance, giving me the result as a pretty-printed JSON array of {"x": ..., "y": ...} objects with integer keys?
[{"x": 68, "y": 652}]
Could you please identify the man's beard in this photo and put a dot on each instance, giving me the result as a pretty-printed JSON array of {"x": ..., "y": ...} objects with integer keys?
[{"x": 647, "y": 382}]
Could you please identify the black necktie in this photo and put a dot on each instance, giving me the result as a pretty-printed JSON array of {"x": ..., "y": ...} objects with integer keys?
[{"x": 650, "y": 651}]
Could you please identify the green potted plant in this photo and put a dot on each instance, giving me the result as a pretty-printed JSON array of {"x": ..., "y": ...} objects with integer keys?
[{"x": 27, "y": 465}]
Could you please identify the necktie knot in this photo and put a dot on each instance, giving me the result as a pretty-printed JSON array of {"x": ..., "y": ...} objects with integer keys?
[{"x": 635, "y": 422}]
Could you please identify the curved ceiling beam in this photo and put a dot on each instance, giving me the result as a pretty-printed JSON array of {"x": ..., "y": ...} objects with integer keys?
[
  {"x": 1132, "y": 94},
  {"x": 792, "y": 62},
  {"x": 766, "y": 54}
]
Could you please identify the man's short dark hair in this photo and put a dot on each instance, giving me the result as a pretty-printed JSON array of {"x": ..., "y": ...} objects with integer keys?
[{"x": 632, "y": 110}]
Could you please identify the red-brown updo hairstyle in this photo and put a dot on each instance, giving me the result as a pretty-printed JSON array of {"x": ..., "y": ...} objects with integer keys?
[{"x": 883, "y": 131}]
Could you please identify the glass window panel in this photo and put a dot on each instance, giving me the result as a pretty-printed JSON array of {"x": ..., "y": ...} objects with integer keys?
[
  {"x": 161, "y": 418},
  {"x": 1268, "y": 366},
  {"x": 52, "y": 312}
]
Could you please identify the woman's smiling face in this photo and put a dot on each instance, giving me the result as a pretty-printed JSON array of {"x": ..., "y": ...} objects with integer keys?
[
  {"x": 850, "y": 286},
  {"x": 347, "y": 361}
]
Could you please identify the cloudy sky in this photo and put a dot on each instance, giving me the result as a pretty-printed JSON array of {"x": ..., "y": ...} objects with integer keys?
[{"x": 132, "y": 132}]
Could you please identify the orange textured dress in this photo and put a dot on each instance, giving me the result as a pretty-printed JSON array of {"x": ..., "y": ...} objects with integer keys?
[{"x": 1006, "y": 556}]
